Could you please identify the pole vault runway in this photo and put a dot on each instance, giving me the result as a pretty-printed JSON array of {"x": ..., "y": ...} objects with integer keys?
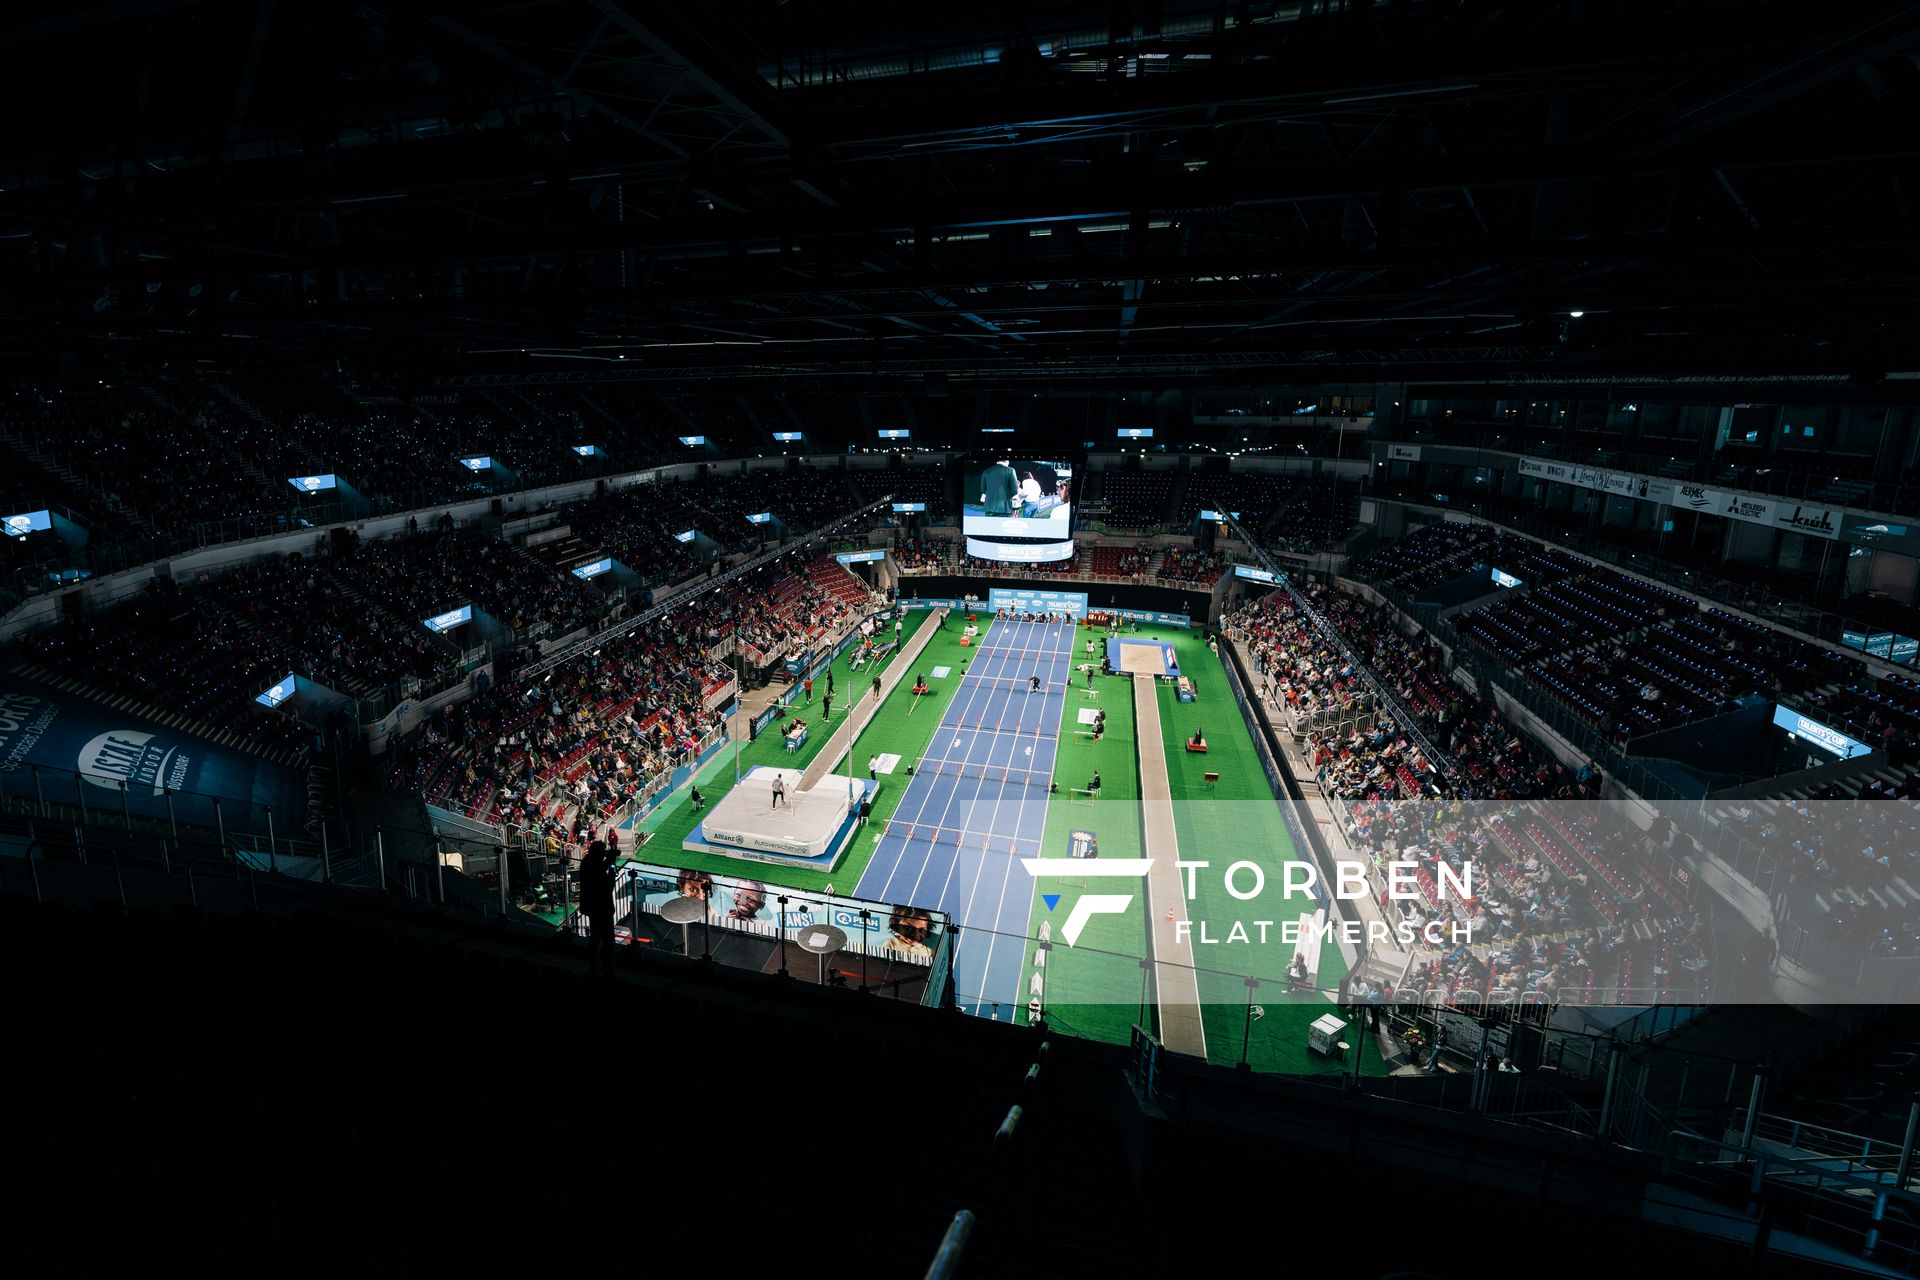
[{"x": 977, "y": 804}]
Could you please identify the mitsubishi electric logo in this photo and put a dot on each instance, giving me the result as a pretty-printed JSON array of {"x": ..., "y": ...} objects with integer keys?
[{"x": 1088, "y": 905}]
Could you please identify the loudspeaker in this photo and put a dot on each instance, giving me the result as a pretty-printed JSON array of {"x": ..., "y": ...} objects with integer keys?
[
  {"x": 497, "y": 507},
  {"x": 73, "y": 605}
]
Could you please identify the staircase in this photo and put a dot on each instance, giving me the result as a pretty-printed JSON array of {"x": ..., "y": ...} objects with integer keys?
[
  {"x": 1176, "y": 494},
  {"x": 247, "y": 467},
  {"x": 306, "y": 458},
  {"x": 540, "y": 415},
  {"x": 594, "y": 405},
  {"x": 73, "y": 481},
  {"x": 160, "y": 399}
]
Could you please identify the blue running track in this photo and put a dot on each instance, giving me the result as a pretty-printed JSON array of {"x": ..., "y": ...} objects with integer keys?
[{"x": 977, "y": 803}]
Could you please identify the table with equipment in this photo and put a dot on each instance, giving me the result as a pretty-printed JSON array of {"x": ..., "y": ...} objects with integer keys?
[
  {"x": 683, "y": 912},
  {"x": 823, "y": 940},
  {"x": 1324, "y": 1036}
]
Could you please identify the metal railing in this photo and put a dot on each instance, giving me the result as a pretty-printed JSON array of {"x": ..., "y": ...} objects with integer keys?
[
  {"x": 1836, "y": 1150},
  {"x": 1862, "y": 1215},
  {"x": 103, "y": 803}
]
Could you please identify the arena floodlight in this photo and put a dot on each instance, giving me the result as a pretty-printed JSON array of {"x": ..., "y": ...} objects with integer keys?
[{"x": 1576, "y": 313}]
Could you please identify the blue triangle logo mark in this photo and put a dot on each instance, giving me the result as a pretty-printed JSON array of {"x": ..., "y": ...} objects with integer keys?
[{"x": 1051, "y": 899}]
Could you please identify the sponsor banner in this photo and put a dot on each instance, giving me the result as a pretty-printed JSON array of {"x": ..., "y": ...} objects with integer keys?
[
  {"x": 1815, "y": 522},
  {"x": 1504, "y": 579},
  {"x": 1694, "y": 497},
  {"x": 908, "y": 508},
  {"x": 860, "y": 557},
  {"x": 1554, "y": 471},
  {"x": 1741, "y": 506},
  {"x": 450, "y": 619},
  {"x": 1904, "y": 650},
  {"x": 1404, "y": 452},
  {"x": 1021, "y": 600},
  {"x": 67, "y": 736},
  {"x": 313, "y": 484},
  {"x": 1624, "y": 484},
  {"x": 1252, "y": 574},
  {"x": 1621, "y": 483},
  {"x": 1825, "y": 737},
  {"x": 1604, "y": 480},
  {"x": 1020, "y": 552},
  {"x": 941, "y": 603},
  {"x": 593, "y": 568},
  {"x": 1155, "y": 617}
]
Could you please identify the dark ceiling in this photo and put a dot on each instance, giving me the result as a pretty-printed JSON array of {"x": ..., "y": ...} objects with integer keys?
[{"x": 1149, "y": 191}]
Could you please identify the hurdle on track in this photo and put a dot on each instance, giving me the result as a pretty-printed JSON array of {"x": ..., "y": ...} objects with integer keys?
[
  {"x": 960, "y": 837},
  {"x": 988, "y": 648},
  {"x": 1025, "y": 735},
  {"x": 962, "y": 768},
  {"x": 1015, "y": 684}
]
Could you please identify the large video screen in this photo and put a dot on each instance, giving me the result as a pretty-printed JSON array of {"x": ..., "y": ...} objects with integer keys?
[{"x": 1014, "y": 498}]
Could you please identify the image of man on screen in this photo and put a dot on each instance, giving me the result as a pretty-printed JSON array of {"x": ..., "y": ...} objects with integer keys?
[
  {"x": 1029, "y": 493},
  {"x": 999, "y": 486}
]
